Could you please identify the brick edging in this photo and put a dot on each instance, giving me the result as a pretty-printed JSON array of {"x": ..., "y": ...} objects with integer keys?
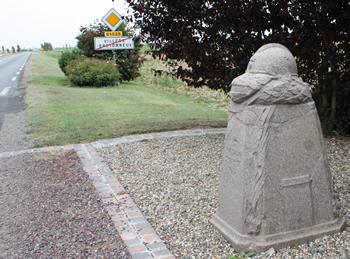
[{"x": 167, "y": 134}]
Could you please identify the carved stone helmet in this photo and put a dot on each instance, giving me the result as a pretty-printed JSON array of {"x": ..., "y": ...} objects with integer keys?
[{"x": 273, "y": 58}]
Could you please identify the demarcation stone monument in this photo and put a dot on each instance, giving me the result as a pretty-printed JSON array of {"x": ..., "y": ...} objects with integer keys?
[{"x": 275, "y": 188}]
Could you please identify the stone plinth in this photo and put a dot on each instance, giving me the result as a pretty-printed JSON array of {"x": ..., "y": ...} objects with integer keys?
[{"x": 275, "y": 188}]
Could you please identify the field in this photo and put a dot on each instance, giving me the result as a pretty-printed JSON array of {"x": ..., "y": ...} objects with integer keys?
[{"x": 60, "y": 114}]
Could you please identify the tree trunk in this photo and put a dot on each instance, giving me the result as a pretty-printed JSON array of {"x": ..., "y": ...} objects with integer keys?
[{"x": 334, "y": 103}]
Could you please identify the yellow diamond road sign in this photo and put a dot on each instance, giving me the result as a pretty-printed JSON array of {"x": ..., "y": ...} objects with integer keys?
[{"x": 112, "y": 19}]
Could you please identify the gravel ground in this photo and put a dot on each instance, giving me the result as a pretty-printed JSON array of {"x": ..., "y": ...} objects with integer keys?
[
  {"x": 14, "y": 128},
  {"x": 50, "y": 209},
  {"x": 12, "y": 133},
  {"x": 174, "y": 181}
]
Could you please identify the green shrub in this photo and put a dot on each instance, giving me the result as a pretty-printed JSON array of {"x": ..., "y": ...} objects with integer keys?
[
  {"x": 66, "y": 57},
  {"x": 92, "y": 72}
]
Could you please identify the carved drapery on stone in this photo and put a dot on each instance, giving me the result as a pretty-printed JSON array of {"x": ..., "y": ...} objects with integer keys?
[{"x": 254, "y": 98}]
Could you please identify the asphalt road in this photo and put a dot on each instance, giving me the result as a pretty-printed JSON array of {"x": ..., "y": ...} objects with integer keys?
[{"x": 11, "y": 68}]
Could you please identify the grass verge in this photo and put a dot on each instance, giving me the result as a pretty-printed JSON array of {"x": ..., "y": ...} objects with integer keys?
[{"x": 60, "y": 114}]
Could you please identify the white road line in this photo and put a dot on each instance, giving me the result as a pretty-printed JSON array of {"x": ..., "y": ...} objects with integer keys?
[
  {"x": 5, "y": 91},
  {"x": 13, "y": 78},
  {"x": 17, "y": 73}
]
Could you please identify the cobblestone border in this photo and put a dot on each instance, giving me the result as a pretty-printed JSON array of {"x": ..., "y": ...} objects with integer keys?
[{"x": 132, "y": 226}]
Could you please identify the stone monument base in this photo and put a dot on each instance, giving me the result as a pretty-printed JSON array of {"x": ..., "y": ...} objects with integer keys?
[
  {"x": 261, "y": 243},
  {"x": 276, "y": 185}
]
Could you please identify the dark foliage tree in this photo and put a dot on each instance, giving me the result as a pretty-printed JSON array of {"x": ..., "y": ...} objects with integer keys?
[
  {"x": 320, "y": 39},
  {"x": 217, "y": 38},
  {"x": 128, "y": 62},
  {"x": 46, "y": 46}
]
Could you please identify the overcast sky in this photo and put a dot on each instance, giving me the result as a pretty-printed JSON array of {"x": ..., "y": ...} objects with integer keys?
[{"x": 29, "y": 23}]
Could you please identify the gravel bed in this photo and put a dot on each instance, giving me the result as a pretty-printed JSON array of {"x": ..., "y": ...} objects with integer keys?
[
  {"x": 175, "y": 181},
  {"x": 50, "y": 209}
]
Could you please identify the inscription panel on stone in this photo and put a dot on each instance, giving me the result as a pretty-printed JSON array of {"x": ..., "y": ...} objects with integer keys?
[{"x": 297, "y": 194}]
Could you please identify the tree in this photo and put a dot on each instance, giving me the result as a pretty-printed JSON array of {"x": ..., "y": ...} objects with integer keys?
[
  {"x": 18, "y": 48},
  {"x": 13, "y": 49},
  {"x": 217, "y": 38},
  {"x": 321, "y": 42},
  {"x": 46, "y": 46},
  {"x": 3, "y": 49},
  {"x": 128, "y": 62}
]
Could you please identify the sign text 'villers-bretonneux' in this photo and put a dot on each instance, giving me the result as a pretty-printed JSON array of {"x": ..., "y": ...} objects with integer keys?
[{"x": 103, "y": 43}]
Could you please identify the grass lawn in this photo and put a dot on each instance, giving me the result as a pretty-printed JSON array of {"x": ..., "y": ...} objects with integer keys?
[{"x": 60, "y": 114}]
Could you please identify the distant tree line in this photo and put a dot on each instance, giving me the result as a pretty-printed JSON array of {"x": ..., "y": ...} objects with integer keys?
[
  {"x": 217, "y": 38},
  {"x": 45, "y": 46},
  {"x": 12, "y": 48}
]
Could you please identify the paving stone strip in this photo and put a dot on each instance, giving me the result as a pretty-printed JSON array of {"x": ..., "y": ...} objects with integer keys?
[{"x": 132, "y": 226}]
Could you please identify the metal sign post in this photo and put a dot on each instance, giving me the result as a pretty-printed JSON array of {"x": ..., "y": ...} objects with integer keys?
[{"x": 113, "y": 20}]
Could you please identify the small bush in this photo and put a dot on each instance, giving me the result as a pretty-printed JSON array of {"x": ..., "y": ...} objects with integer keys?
[
  {"x": 66, "y": 57},
  {"x": 92, "y": 72}
]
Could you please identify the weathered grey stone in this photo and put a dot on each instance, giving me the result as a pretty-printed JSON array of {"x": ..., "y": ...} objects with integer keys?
[{"x": 275, "y": 188}]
